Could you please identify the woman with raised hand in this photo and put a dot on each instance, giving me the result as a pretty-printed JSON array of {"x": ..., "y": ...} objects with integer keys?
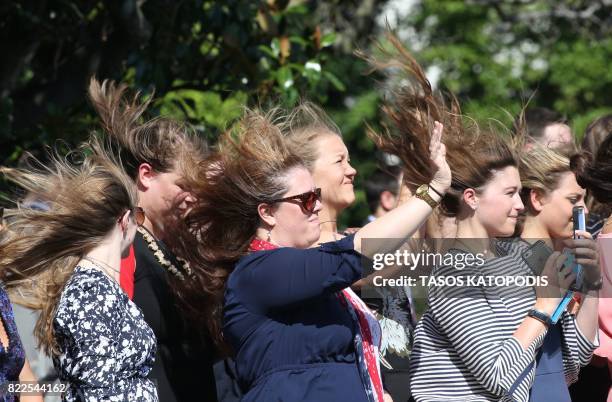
[
  {"x": 157, "y": 154},
  {"x": 65, "y": 261},
  {"x": 296, "y": 335},
  {"x": 549, "y": 193},
  {"x": 474, "y": 342}
]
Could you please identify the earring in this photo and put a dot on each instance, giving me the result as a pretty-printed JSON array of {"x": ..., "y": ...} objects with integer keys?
[{"x": 269, "y": 236}]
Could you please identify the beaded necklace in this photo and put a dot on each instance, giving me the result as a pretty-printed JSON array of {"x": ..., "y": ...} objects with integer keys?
[{"x": 161, "y": 258}]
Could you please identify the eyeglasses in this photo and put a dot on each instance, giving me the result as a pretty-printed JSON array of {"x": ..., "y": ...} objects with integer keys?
[{"x": 307, "y": 201}]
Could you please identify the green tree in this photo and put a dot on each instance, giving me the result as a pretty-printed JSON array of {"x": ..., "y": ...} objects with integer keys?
[{"x": 497, "y": 55}]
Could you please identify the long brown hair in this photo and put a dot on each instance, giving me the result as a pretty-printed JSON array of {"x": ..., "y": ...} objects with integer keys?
[
  {"x": 85, "y": 197},
  {"x": 250, "y": 168},
  {"x": 411, "y": 109},
  {"x": 164, "y": 143}
]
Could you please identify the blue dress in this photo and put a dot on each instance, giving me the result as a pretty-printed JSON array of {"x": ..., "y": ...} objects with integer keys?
[
  {"x": 12, "y": 358},
  {"x": 293, "y": 338}
]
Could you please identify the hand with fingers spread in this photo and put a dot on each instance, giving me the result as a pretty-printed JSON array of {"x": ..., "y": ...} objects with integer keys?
[{"x": 437, "y": 154}]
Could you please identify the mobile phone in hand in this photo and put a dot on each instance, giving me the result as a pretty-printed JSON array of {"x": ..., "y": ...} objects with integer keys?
[{"x": 579, "y": 219}]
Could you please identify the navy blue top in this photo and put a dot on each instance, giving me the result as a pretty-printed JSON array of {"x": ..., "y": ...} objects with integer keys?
[
  {"x": 549, "y": 383},
  {"x": 293, "y": 339},
  {"x": 12, "y": 358}
]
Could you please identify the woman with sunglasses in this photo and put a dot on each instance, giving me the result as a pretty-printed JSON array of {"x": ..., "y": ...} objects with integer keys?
[
  {"x": 65, "y": 262},
  {"x": 478, "y": 342},
  {"x": 295, "y": 334}
]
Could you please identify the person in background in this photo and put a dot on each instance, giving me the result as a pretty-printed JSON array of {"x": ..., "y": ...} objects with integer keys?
[
  {"x": 382, "y": 191},
  {"x": 157, "y": 155},
  {"x": 65, "y": 261},
  {"x": 392, "y": 305},
  {"x": 26, "y": 318},
  {"x": 594, "y": 136},
  {"x": 546, "y": 127},
  {"x": 594, "y": 172}
]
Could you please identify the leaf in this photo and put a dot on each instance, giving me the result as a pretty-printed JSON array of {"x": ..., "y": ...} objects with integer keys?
[
  {"x": 284, "y": 77},
  {"x": 334, "y": 81},
  {"x": 328, "y": 39}
]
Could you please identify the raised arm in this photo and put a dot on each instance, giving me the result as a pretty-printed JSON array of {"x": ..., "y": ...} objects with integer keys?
[
  {"x": 400, "y": 223},
  {"x": 288, "y": 275}
]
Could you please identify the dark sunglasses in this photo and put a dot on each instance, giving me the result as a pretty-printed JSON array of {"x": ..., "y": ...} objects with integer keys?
[
  {"x": 307, "y": 201},
  {"x": 138, "y": 214}
]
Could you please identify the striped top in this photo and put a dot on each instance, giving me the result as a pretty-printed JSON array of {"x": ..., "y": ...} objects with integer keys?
[{"x": 464, "y": 348}]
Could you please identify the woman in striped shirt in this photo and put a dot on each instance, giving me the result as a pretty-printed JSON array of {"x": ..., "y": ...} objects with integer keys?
[
  {"x": 550, "y": 192},
  {"x": 476, "y": 343}
]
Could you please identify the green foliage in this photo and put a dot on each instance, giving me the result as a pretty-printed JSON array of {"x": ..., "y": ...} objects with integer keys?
[
  {"x": 498, "y": 55},
  {"x": 208, "y": 59}
]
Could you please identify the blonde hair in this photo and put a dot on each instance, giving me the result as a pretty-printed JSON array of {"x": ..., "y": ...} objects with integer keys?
[
  {"x": 541, "y": 169},
  {"x": 85, "y": 198},
  {"x": 304, "y": 126}
]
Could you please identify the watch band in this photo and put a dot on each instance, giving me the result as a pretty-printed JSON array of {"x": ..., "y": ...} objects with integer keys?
[
  {"x": 422, "y": 192},
  {"x": 540, "y": 316},
  {"x": 436, "y": 191}
]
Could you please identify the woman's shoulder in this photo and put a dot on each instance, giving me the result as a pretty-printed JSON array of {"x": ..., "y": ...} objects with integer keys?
[{"x": 87, "y": 288}]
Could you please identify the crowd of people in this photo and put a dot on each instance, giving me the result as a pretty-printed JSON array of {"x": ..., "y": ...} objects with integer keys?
[{"x": 158, "y": 268}]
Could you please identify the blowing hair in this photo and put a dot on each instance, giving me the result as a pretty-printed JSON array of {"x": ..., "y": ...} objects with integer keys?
[
  {"x": 165, "y": 144},
  {"x": 594, "y": 172},
  {"x": 250, "y": 168},
  {"x": 304, "y": 126},
  {"x": 541, "y": 169},
  {"x": 85, "y": 198},
  {"x": 594, "y": 136},
  {"x": 411, "y": 109}
]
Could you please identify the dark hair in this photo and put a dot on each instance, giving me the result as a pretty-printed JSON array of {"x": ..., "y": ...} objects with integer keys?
[
  {"x": 250, "y": 167},
  {"x": 595, "y": 134},
  {"x": 537, "y": 119},
  {"x": 383, "y": 179},
  {"x": 594, "y": 172},
  {"x": 473, "y": 155}
]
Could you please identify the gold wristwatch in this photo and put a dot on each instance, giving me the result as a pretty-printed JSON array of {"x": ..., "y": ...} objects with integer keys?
[{"x": 422, "y": 192}]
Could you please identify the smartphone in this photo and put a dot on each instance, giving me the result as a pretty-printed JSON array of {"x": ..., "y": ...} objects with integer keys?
[
  {"x": 579, "y": 219},
  {"x": 536, "y": 256}
]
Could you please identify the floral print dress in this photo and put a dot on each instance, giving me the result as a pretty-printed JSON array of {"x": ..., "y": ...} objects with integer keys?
[{"x": 106, "y": 348}]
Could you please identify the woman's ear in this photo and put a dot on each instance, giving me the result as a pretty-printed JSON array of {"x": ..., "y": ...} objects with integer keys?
[
  {"x": 537, "y": 200},
  {"x": 146, "y": 174},
  {"x": 470, "y": 197},
  {"x": 266, "y": 214},
  {"x": 124, "y": 221}
]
